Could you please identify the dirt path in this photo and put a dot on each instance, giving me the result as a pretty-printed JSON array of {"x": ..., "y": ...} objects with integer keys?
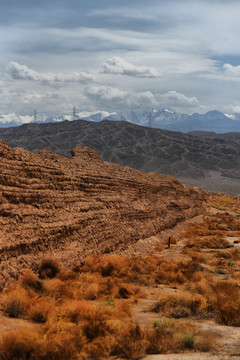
[{"x": 145, "y": 246}]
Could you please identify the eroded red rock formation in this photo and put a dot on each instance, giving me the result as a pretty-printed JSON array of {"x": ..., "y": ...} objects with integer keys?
[{"x": 73, "y": 207}]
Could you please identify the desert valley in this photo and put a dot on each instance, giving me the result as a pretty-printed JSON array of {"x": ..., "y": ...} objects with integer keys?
[
  {"x": 119, "y": 180},
  {"x": 100, "y": 260}
]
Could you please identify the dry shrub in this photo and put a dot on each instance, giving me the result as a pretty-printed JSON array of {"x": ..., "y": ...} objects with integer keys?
[
  {"x": 193, "y": 244},
  {"x": 15, "y": 302},
  {"x": 57, "y": 289},
  {"x": 138, "y": 270},
  {"x": 122, "y": 310},
  {"x": 39, "y": 310},
  {"x": 67, "y": 275},
  {"x": 91, "y": 292},
  {"x": 180, "y": 305},
  {"x": 62, "y": 340},
  {"x": 30, "y": 280},
  {"x": 99, "y": 348},
  {"x": 210, "y": 242},
  {"x": 214, "y": 242},
  {"x": 167, "y": 335},
  {"x": 202, "y": 286},
  {"x": 49, "y": 268},
  {"x": 19, "y": 344},
  {"x": 206, "y": 341},
  {"x": 178, "y": 272},
  {"x": 76, "y": 311},
  {"x": 115, "y": 288},
  {"x": 226, "y": 302},
  {"x": 188, "y": 340},
  {"x": 131, "y": 342}
]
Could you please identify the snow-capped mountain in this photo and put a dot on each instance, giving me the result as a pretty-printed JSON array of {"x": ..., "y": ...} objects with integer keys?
[{"x": 212, "y": 121}]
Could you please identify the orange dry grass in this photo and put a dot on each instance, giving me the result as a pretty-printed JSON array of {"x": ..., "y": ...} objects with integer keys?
[
  {"x": 211, "y": 242},
  {"x": 15, "y": 302},
  {"x": 138, "y": 270},
  {"x": 75, "y": 328},
  {"x": 30, "y": 280},
  {"x": 226, "y": 203},
  {"x": 39, "y": 310},
  {"x": 226, "y": 302},
  {"x": 181, "y": 305}
]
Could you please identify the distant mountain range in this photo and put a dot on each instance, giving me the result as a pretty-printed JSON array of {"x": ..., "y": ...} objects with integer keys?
[{"x": 212, "y": 121}]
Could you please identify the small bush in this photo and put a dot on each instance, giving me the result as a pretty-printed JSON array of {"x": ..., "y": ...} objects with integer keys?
[
  {"x": 49, "y": 268},
  {"x": 131, "y": 342},
  {"x": 20, "y": 344},
  {"x": 188, "y": 341},
  {"x": 30, "y": 280},
  {"x": 180, "y": 305},
  {"x": 15, "y": 303},
  {"x": 39, "y": 310},
  {"x": 91, "y": 292},
  {"x": 226, "y": 302}
]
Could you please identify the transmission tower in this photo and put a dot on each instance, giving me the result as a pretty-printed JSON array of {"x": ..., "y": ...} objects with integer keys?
[
  {"x": 150, "y": 120},
  {"x": 74, "y": 113},
  {"x": 35, "y": 116}
]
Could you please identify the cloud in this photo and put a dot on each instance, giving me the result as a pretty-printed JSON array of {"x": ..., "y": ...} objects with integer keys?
[
  {"x": 231, "y": 70},
  {"x": 117, "y": 65},
  {"x": 106, "y": 93},
  {"x": 175, "y": 99},
  {"x": 23, "y": 72},
  {"x": 117, "y": 99}
]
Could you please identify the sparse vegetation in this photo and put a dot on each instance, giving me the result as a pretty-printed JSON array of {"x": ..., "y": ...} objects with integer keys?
[{"x": 87, "y": 312}]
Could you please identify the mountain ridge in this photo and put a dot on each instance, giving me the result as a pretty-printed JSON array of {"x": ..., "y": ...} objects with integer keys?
[
  {"x": 157, "y": 118},
  {"x": 209, "y": 162}
]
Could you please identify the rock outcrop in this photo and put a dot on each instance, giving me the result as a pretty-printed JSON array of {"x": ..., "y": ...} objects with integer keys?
[{"x": 68, "y": 208}]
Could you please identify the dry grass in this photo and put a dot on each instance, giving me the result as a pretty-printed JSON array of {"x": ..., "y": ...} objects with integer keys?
[
  {"x": 49, "y": 268},
  {"x": 15, "y": 302},
  {"x": 86, "y": 312},
  {"x": 181, "y": 305},
  {"x": 226, "y": 302},
  {"x": 77, "y": 321},
  {"x": 30, "y": 280}
]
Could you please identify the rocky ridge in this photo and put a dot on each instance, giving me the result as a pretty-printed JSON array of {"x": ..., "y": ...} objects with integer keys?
[
  {"x": 51, "y": 205},
  {"x": 208, "y": 162}
]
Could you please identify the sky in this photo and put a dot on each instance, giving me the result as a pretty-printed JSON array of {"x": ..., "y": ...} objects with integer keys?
[{"x": 119, "y": 56}]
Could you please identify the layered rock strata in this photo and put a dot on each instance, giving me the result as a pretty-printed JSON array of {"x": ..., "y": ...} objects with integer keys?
[{"x": 68, "y": 208}]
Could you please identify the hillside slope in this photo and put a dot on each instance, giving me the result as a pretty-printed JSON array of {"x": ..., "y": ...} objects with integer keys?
[
  {"x": 212, "y": 163},
  {"x": 73, "y": 207}
]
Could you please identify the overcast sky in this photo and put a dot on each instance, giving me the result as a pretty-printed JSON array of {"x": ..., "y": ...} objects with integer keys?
[{"x": 119, "y": 55}]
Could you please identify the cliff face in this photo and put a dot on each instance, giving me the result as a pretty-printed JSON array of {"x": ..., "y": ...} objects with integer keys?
[{"x": 68, "y": 208}]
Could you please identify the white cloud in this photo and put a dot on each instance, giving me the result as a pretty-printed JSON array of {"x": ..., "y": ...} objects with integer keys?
[
  {"x": 23, "y": 72},
  {"x": 175, "y": 99},
  {"x": 117, "y": 65},
  {"x": 231, "y": 70},
  {"x": 107, "y": 93},
  {"x": 109, "y": 96}
]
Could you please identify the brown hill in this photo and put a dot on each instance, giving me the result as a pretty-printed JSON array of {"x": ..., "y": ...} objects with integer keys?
[
  {"x": 209, "y": 162},
  {"x": 50, "y": 204}
]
